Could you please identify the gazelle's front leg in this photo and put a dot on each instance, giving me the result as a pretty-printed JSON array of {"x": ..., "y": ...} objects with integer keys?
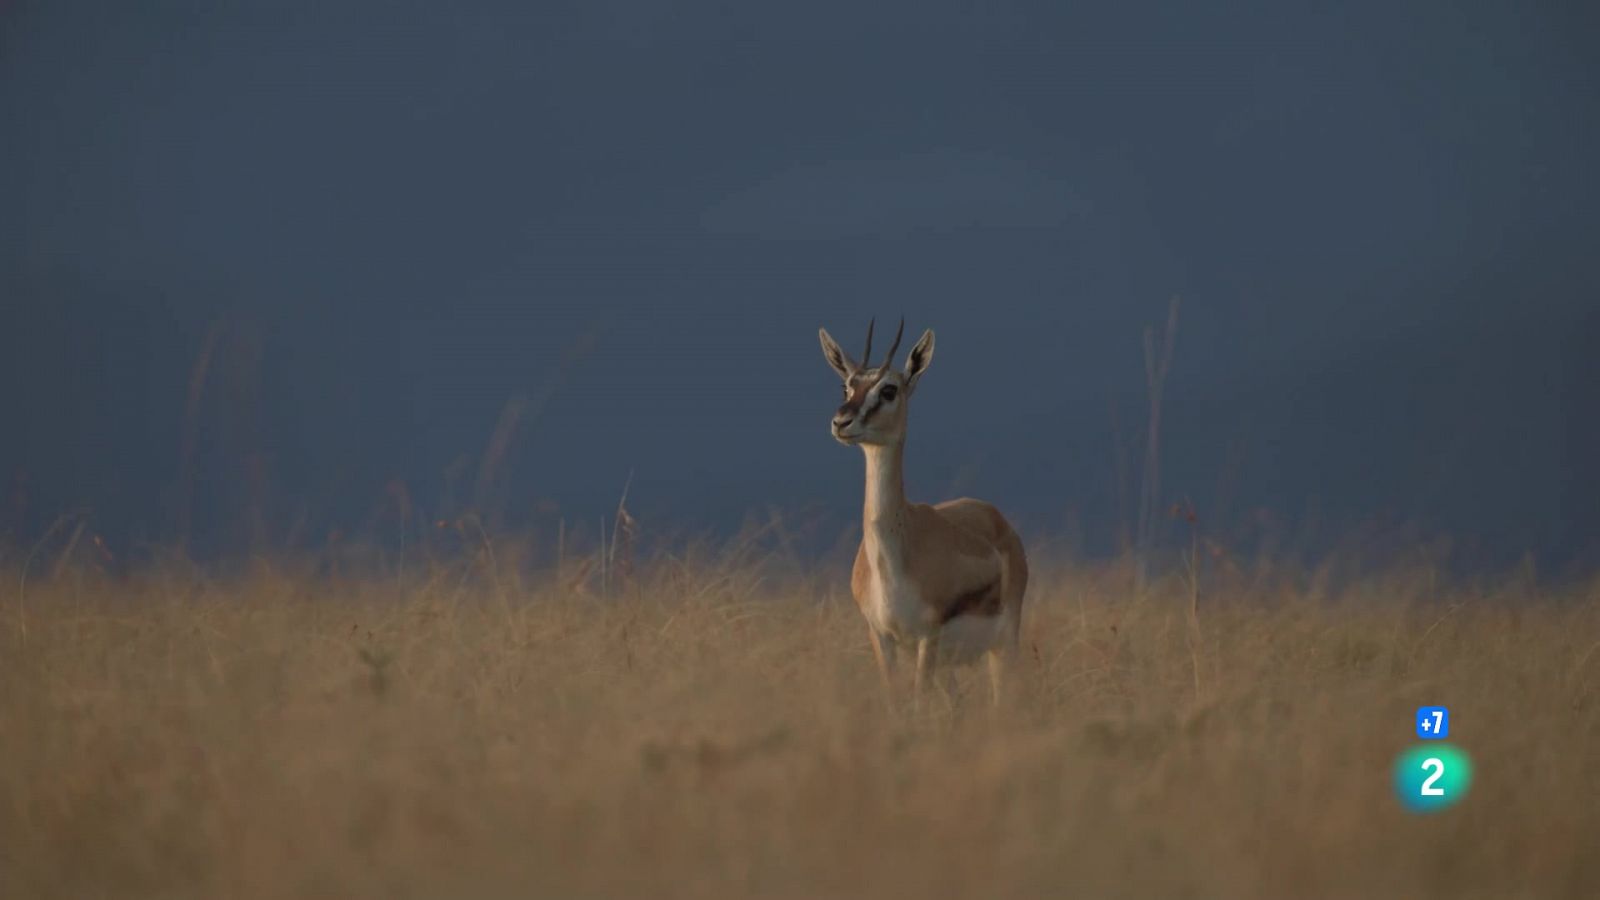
[
  {"x": 884, "y": 650},
  {"x": 927, "y": 653}
]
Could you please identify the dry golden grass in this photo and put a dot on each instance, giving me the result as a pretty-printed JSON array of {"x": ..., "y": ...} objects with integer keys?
[{"x": 706, "y": 733}]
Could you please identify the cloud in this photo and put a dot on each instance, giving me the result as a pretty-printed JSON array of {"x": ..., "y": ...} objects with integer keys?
[{"x": 935, "y": 191}]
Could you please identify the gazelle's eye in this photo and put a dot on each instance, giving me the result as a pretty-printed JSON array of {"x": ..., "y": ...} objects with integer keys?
[{"x": 887, "y": 392}]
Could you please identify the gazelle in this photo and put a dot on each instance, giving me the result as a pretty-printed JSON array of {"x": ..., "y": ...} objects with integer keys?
[{"x": 947, "y": 579}]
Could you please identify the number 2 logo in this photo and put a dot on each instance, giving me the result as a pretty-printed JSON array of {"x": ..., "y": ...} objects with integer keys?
[
  {"x": 1432, "y": 776},
  {"x": 1436, "y": 765}
]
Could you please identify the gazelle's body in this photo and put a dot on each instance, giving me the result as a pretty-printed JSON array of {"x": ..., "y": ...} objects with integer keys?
[{"x": 947, "y": 580}]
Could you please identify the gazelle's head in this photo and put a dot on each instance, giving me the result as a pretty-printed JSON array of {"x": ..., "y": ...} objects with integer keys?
[{"x": 875, "y": 399}]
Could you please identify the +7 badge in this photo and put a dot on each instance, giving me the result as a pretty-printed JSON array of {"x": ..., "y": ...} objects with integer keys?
[{"x": 1433, "y": 723}]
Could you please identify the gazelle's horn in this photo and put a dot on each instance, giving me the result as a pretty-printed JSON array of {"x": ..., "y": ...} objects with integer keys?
[
  {"x": 866, "y": 357},
  {"x": 889, "y": 360}
]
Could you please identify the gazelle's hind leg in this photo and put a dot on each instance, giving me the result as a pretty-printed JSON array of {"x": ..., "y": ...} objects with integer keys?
[
  {"x": 996, "y": 674},
  {"x": 883, "y": 650},
  {"x": 927, "y": 654},
  {"x": 1002, "y": 656}
]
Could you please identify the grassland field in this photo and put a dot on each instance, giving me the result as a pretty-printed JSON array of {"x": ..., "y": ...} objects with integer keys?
[{"x": 706, "y": 728}]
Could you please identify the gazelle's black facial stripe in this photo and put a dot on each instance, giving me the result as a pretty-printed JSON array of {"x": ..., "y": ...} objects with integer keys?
[
  {"x": 864, "y": 395},
  {"x": 856, "y": 392},
  {"x": 858, "y": 388}
]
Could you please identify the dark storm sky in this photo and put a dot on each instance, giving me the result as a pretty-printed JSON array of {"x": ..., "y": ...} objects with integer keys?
[{"x": 395, "y": 218}]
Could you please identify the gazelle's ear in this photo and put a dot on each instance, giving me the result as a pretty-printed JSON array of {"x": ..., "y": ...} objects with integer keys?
[
  {"x": 921, "y": 355},
  {"x": 835, "y": 355}
]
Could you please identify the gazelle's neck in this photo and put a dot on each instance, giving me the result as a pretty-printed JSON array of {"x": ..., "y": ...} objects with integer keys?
[{"x": 886, "y": 492}]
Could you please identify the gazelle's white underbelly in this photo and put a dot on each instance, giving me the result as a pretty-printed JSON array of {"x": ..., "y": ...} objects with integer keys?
[
  {"x": 901, "y": 616},
  {"x": 965, "y": 638}
]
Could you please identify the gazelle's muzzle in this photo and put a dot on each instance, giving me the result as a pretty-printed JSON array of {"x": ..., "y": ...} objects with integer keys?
[{"x": 847, "y": 423}]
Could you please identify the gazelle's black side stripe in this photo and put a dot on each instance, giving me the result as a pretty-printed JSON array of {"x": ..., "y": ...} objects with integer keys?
[{"x": 984, "y": 601}]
